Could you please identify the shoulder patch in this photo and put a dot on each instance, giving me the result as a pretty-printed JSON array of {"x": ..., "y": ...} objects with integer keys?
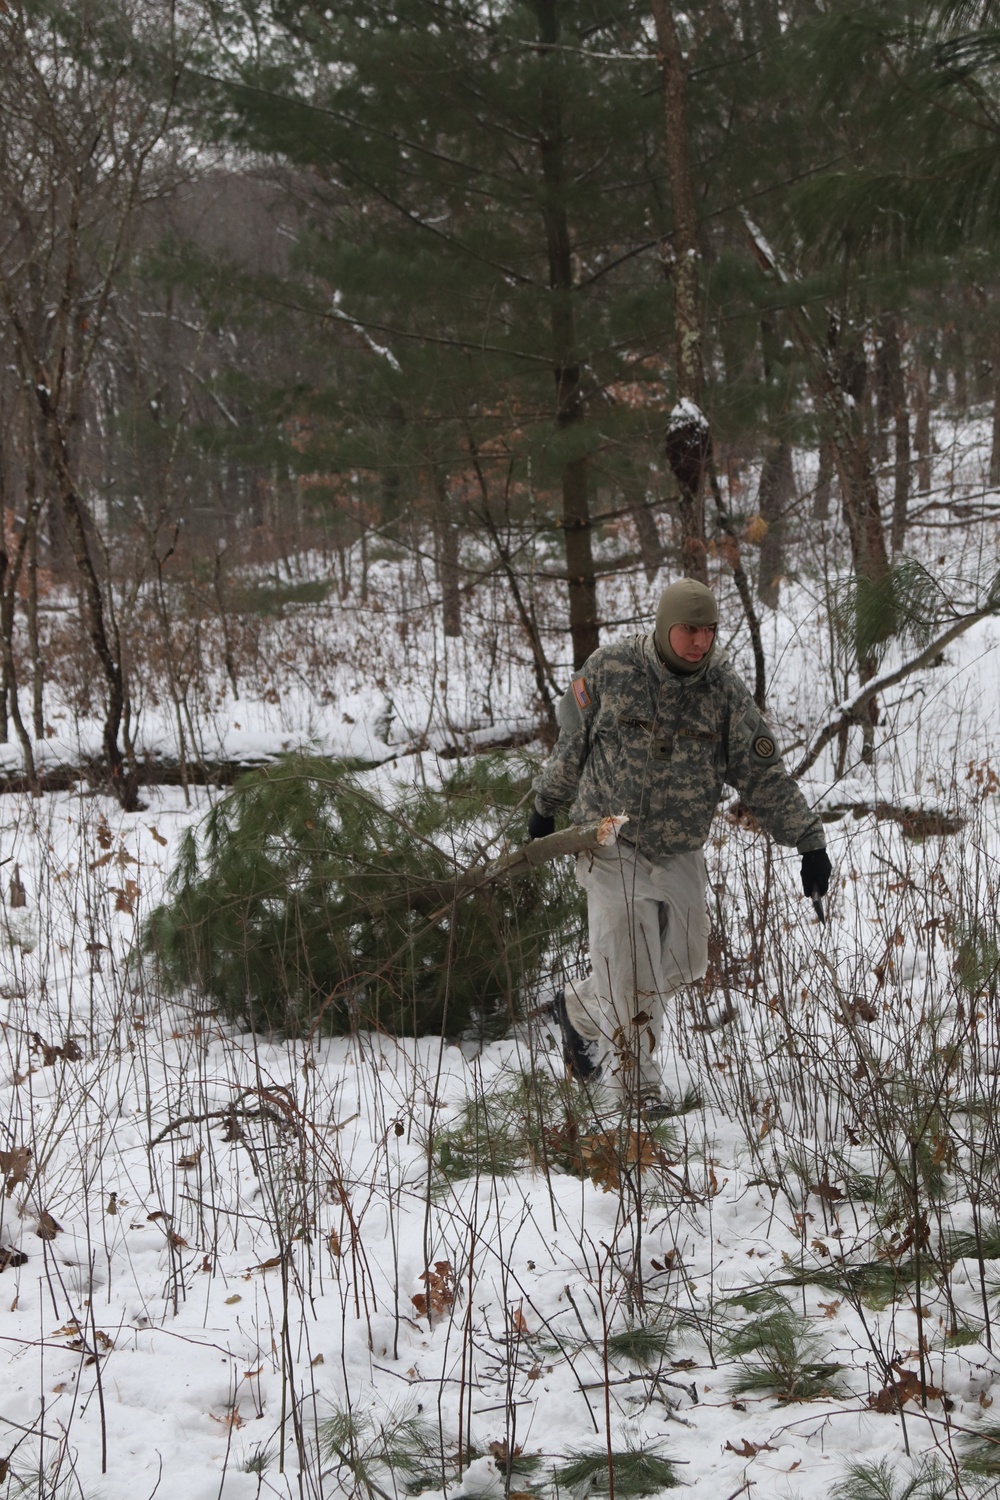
[
  {"x": 764, "y": 747},
  {"x": 580, "y": 693}
]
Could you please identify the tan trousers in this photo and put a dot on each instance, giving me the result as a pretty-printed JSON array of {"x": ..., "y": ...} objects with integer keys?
[{"x": 648, "y": 928}]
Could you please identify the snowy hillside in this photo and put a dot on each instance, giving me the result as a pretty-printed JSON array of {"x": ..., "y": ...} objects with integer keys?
[{"x": 239, "y": 1265}]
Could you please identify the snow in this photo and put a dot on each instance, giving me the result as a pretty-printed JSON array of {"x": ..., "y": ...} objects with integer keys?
[
  {"x": 687, "y": 413},
  {"x": 212, "y": 1298}
]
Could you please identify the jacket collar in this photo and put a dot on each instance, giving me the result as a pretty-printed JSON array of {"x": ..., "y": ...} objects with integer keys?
[{"x": 650, "y": 653}]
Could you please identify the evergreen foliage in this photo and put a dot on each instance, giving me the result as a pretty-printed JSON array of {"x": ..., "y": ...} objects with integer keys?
[
  {"x": 305, "y": 900},
  {"x": 404, "y": 1448},
  {"x": 927, "y": 1480},
  {"x": 542, "y": 1123},
  {"x": 908, "y": 605},
  {"x": 981, "y": 1452},
  {"x": 637, "y": 1471},
  {"x": 779, "y": 1352}
]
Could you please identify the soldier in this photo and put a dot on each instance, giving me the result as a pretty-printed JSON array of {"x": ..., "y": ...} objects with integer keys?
[{"x": 653, "y": 727}]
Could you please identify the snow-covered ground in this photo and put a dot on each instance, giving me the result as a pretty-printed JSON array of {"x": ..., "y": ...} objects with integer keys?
[{"x": 260, "y": 1265}]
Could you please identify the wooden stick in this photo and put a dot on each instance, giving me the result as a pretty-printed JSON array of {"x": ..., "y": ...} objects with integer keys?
[{"x": 516, "y": 862}]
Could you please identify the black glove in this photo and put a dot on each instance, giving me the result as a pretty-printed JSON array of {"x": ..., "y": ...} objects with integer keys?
[
  {"x": 816, "y": 872},
  {"x": 539, "y": 826}
]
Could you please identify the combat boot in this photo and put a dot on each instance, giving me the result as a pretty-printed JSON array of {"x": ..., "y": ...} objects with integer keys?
[{"x": 582, "y": 1058}]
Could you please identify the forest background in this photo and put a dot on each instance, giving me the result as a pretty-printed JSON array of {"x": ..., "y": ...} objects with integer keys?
[{"x": 548, "y": 293}]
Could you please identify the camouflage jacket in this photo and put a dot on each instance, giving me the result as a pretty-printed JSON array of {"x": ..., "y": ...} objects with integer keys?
[{"x": 640, "y": 739}]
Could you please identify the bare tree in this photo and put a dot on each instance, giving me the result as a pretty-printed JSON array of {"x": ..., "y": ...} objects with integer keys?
[{"x": 79, "y": 154}]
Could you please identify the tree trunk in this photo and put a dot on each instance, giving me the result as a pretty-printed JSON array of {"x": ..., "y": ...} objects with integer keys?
[
  {"x": 995, "y": 446},
  {"x": 824, "y": 481},
  {"x": 845, "y": 393},
  {"x": 775, "y": 495},
  {"x": 922, "y": 426},
  {"x": 34, "y": 646},
  {"x": 955, "y": 356},
  {"x": 448, "y": 562},
  {"x": 901, "y": 432},
  {"x": 10, "y": 571},
  {"x": 580, "y": 576},
  {"x": 123, "y": 779},
  {"x": 650, "y": 545},
  {"x": 688, "y": 442},
  {"x": 777, "y": 482},
  {"x": 886, "y": 334}
]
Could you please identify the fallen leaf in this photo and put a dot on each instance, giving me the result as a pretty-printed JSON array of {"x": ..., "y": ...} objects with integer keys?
[
  {"x": 518, "y": 1320},
  {"x": 825, "y": 1189},
  {"x": 232, "y": 1419},
  {"x": 907, "y": 1388},
  {"x": 501, "y": 1451},
  {"x": 440, "y": 1293},
  {"x": 234, "y": 1298},
  {"x": 15, "y": 1164},
  {"x": 157, "y": 835},
  {"x": 125, "y": 898},
  {"x": 748, "y": 1449},
  {"x": 47, "y": 1228},
  {"x": 830, "y": 1309}
]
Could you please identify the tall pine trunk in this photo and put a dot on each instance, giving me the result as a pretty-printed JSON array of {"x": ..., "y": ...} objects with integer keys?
[
  {"x": 824, "y": 481},
  {"x": 896, "y": 379},
  {"x": 995, "y": 446},
  {"x": 650, "y": 545},
  {"x": 774, "y": 496},
  {"x": 688, "y": 444},
  {"x": 448, "y": 560},
  {"x": 689, "y": 437},
  {"x": 570, "y": 412},
  {"x": 922, "y": 425}
]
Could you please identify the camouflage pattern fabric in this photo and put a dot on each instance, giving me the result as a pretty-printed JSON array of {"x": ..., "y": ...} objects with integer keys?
[{"x": 639, "y": 739}]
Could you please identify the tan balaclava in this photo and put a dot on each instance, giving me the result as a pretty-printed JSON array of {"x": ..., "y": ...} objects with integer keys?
[{"x": 684, "y": 603}]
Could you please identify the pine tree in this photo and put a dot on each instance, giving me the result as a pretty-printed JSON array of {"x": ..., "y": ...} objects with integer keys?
[{"x": 479, "y": 247}]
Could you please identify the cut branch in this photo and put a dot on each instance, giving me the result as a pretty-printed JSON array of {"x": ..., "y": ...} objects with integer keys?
[{"x": 577, "y": 839}]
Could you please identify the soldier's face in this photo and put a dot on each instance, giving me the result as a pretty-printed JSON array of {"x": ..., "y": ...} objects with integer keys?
[{"x": 691, "y": 642}]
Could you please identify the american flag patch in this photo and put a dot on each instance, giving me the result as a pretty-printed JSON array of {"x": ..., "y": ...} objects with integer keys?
[{"x": 580, "y": 693}]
